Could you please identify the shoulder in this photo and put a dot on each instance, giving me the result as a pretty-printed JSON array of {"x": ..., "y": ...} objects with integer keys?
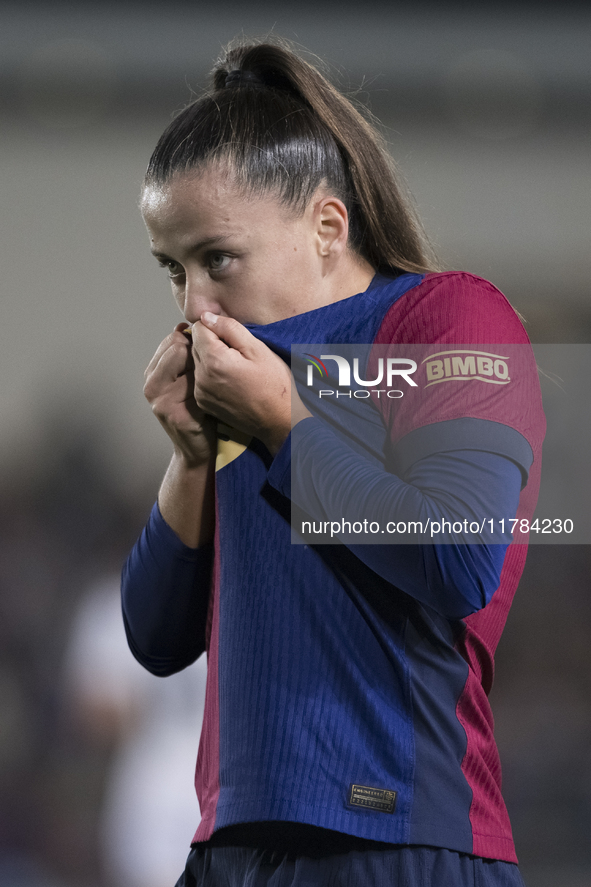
[{"x": 452, "y": 306}]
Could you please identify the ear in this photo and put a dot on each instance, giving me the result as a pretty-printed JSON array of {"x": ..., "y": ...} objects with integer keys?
[{"x": 332, "y": 227}]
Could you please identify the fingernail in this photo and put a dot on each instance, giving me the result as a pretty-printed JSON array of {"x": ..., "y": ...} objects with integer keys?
[{"x": 209, "y": 318}]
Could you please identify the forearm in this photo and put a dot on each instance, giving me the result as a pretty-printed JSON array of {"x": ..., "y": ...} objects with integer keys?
[
  {"x": 187, "y": 500},
  {"x": 165, "y": 594},
  {"x": 167, "y": 576},
  {"x": 331, "y": 481}
]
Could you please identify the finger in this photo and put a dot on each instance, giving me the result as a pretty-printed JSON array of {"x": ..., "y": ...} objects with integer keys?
[
  {"x": 174, "y": 362},
  {"x": 172, "y": 377},
  {"x": 174, "y": 338},
  {"x": 233, "y": 333},
  {"x": 205, "y": 343}
]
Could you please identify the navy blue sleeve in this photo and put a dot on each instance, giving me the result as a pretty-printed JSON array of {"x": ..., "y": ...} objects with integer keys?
[
  {"x": 324, "y": 476},
  {"x": 165, "y": 594}
]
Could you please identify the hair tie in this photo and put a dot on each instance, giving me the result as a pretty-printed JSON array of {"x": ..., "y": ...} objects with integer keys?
[{"x": 242, "y": 78}]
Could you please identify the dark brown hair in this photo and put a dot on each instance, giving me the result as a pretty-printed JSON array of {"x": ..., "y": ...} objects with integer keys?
[{"x": 279, "y": 125}]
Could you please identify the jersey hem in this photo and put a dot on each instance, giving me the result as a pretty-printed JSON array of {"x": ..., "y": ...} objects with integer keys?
[
  {"x": 366, "y": 824},
  {"x": 483, "y": 846}
]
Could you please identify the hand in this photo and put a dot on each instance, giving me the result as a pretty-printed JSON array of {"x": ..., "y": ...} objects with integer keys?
[
  {"x": 242, "y": 382},
  {"x": 169, "y": 383}
]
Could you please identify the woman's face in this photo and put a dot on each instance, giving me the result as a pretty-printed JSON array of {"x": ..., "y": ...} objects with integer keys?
[{"x": 245, "y": 257}]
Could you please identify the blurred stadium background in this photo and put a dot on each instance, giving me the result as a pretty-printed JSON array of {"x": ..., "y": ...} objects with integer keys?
[{"x": 487, "y": 109}]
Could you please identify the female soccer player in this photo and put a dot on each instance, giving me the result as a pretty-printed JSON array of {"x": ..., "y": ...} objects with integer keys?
[{"x": 347, "y": 736}]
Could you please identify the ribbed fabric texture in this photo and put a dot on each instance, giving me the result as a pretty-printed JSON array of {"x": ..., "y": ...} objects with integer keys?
[
  {"x": 469, "y": 310},
  {"x": 325, "y": 672}
]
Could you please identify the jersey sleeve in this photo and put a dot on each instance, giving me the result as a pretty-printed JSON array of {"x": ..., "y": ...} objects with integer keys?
[
  {"x": 165, "y": 593},
  {"x": 331, "y": 480},
  {"x": 476, "y": 379},
  {"x": 456, "y": 450}
]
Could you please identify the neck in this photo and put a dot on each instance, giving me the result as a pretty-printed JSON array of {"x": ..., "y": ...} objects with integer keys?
[{"x": 354, "y": 276}]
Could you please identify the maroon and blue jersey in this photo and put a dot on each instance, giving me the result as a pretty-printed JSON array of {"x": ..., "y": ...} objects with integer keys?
[{"x": 348, "y": 684}]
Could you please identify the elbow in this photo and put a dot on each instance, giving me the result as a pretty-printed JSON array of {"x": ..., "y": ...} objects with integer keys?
[
  {"x": 162, "y": 666},
  {"x": 467, "y": 576},
  {"x": 461, "y": 599},
  {"x": 165, "y": 609}
]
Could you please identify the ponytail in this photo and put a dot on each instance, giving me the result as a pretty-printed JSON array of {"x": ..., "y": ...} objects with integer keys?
[{"x": 280, "y": 125}]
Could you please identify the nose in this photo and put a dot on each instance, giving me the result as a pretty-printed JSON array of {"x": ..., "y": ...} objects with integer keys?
[{"x": 198, "y": 298}]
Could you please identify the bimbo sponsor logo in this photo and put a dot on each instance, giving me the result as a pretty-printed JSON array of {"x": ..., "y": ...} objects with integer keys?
[
  {"x": 389, "y": 369},
  {"x": 461, "y": 365}
]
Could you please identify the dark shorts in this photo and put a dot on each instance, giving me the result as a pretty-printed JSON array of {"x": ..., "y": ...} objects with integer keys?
[{"x": 388, "y": 866}]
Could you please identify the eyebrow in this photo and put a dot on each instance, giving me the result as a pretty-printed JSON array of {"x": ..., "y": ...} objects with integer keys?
[{"x": 218, "y": 239}]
